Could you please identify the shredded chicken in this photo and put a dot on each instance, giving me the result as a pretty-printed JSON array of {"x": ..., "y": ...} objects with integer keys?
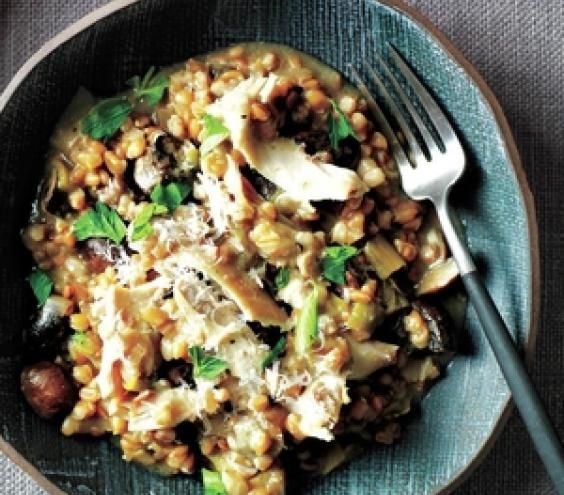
[{"x": 282, "y": 160}]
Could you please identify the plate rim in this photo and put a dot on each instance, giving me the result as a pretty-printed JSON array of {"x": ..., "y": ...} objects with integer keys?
[{"x": 511, "y": 153}]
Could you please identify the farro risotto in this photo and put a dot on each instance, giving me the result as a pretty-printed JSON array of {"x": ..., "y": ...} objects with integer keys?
[{"x": 230, "y": 280}]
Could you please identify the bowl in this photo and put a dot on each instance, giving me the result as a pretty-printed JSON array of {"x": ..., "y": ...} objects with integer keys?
[{"x": 463, "y": 413}]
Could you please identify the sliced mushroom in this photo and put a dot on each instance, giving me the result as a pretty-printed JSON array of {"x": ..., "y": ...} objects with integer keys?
[
  {"x": 47, "y": 330},
  {"x": 260, "y": 183},
  {"x": 441, "y": 328},
  {"x": 392, "y": 299},
  {"x": 420, "y": 371},
  {"x": 437, "y": 278},
  {"x": 150, "y": 168},
  {"x": 370, "y": 356},
  {"x": 430, "y": 236},
  {"x": 51, "y": 201}
]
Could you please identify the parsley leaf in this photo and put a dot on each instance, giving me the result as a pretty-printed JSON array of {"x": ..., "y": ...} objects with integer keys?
[
  {"x": 307, "y": 325},
  {"x": 78, "y": 338},
  {"x": 334, "y": 262},
  {"x": 106, "y": 117},
  {"x": 151, "y": 88},
  {"x": 141, "y": 226},
  {"x": 338, "y": 126},
  {"x": 208, "y": 367},
  {"x": 171, "y": 195},
  {"x": 282, "y": 278},
  {"x": 212, "y": 483},
  {"x": 214, "y": 134},
  {"x": 102, "y": 221},
  {"x": 41, "y": 285},
  {"x": 274, "y": 353}
]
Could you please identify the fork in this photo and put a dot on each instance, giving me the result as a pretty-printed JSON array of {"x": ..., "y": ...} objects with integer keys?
[{"x": 430, "y": 176}]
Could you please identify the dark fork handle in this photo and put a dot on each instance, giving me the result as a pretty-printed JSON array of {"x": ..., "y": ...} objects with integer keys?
[{"x": 525, "y": 396}]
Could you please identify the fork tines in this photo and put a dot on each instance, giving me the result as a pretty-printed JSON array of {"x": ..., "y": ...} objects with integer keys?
[{"x": 417, "y": 155}]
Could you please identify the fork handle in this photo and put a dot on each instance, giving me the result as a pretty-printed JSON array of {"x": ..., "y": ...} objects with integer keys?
[{"x": 526, "y": 398}]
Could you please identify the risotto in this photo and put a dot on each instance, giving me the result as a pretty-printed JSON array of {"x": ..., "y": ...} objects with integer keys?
[{"x": 230, "y": 280}]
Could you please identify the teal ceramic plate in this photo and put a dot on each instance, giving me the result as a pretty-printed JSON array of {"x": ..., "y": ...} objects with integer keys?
[{"x": 462, "y": 413}]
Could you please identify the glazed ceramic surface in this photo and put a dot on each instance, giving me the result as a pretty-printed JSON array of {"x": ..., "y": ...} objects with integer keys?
[{"x": 461, "y": 412}]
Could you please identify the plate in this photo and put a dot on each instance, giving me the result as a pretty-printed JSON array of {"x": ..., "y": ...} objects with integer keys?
[{"x": 463, "y": 413}]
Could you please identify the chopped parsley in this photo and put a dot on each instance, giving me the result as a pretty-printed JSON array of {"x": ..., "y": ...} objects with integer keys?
[
  {"x": 171, "y": 195},
  {"x": 151, "y": 88},
  {"x": 282, "y": 278},
  {"x": 338, "y": 126},
  {"x": 208, "y": 367},
  {"x": 106, "y": 117},
  {"x": 214, "y": 134},
  {"x": 41, "y": 285},
  {"x": 274, "y": 353},
  {"x": 100, "y": 221},
  {"x": 212, "y": 483},
  {"x": 141, "y": 225},
  {"x": 334, "y": 262}
]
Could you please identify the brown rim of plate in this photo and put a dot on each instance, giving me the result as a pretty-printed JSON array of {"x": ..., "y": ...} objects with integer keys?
[{"x": 510, "y": 148}]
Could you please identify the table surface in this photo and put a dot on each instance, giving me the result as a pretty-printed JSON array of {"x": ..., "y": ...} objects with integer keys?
[{"x": 517, "y": 47}]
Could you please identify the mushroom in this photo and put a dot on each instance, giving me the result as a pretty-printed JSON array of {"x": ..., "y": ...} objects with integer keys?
[
  {"x": 440, "y": 327},
  {"x": 370, "y": 356},
  {"x": 150, "y": 168},
  {"x": 437, "y": 277},
  {"x": 47, "y": 389},
  {"x": 48, "y": 328}
]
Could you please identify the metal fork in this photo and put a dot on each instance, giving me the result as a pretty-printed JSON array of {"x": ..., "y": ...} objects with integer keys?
[{"x": 431, "y": 176}]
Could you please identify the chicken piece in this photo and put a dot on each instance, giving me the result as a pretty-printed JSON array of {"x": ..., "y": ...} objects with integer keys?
[
  {"x": 318, "y": 408},
  {"x": 129, "y": 346},
  {"x": 282, "y": 161},
  {"x": 166, "y": 409},
  {"x": 286, "y": 163},
  {"x": 255, "y": 303}
]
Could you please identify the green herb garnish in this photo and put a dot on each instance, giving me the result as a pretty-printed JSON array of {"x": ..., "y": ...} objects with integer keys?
[
  {"x": 101, "y": 221},
  {"x": 214, "y": 134},
  {"x": 338, "y": 126},
  {"x": 282, "y": 278},
  {"x": 212, "y": 483},
  {"x": 78, "y": 338},
  {"x": 151, "y": 88},
  {"x": 274, "y": 353},
  {"x": 41, "y": 285},
  {"x": 106, "y": 117},
  {"x": 208, "y": 367},
  {"x": 307, "y": 326},
  {"x": 334, "y": 262},
  {"x": 141, "y": 225},
  {"x": 171, "y": 195}
]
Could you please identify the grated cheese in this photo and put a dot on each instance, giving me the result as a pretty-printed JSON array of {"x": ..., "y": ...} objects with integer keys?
[{"x": 219, "y": 202}]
